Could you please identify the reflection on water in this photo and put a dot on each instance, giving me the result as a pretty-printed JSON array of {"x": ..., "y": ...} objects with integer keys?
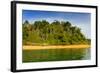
[
  {"x": 56, "y": 54},
  {"x": 87, "y": 54}
]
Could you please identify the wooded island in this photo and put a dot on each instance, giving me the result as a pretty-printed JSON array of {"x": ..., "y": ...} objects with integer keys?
[{"x": 55, "y": 33}]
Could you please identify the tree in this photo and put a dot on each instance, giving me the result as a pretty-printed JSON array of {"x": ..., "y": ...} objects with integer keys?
[{"x": 26, "y": 22}]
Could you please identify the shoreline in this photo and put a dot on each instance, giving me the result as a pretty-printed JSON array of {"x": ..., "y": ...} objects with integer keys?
[{"x": 26, "y": 47}]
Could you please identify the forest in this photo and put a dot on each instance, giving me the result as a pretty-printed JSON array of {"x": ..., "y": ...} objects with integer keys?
[{"x": 54, "y": 33}]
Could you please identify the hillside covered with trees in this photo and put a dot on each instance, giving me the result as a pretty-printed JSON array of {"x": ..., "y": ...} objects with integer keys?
[{"x": 55, "y": 33}]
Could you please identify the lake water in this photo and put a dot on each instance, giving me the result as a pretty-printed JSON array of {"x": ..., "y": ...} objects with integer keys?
[{"x": 56, "y": 54}]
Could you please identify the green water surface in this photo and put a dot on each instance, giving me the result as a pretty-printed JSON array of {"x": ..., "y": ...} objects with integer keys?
[{"x": 55, "y": 55}]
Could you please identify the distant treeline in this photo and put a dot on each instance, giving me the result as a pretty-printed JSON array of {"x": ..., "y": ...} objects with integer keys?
[{"x": 55, "y": 33}]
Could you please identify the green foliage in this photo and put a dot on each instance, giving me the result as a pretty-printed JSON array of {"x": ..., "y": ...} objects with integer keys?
[{"x": 55, "y": 33}]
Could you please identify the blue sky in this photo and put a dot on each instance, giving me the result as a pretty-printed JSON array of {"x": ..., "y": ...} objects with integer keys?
[{"x": 81, "y": 20}]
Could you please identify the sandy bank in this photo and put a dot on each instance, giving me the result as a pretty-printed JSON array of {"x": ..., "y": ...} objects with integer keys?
[{"x": 26, "y": 47}]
